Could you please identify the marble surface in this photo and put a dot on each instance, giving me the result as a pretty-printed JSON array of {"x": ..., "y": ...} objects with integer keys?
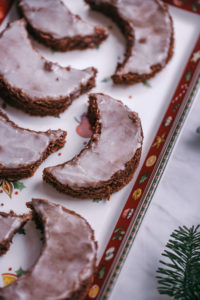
[{"x": 175, "y": 203}]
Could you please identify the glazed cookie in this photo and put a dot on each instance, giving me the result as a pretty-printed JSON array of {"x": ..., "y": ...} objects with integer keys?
[
  {"x": 23, "y": 150},
  {"x": 148, "y": 28},
  {"x": 67, "y": 262},
  {"x": 9, "y": 225},
  {"x": 111, "y": 157},
  {"x": 66, "y": 32},
  {"x": 33, "y": 84}
]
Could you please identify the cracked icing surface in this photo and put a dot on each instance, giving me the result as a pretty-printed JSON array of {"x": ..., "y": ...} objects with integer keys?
[
  {"x": 150, "y": 27},
  {"x": 117, "y": 143},
  {"x": 66, "y": 260},
  {"x": 24, "y": 69},
  {"x": 65, "y": 24},
  {"x": 19, "y": 146}
]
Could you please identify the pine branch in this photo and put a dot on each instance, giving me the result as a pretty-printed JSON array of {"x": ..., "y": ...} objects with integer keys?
[{"x": 179, "y": 276}]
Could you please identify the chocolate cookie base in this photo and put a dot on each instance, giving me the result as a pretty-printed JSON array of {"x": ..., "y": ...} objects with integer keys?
[
  {"x": 104, "y": 189},
  {"x": 77, "y": 42},
  {"x": 66, "y": 44},
  {"x": 5, "y": 244},
  {"x": 116, "y": 182},
  {"x": 24, "y": 171},
  {"x": 132, "y": 78},
  {"x": 129, "y": 78},
  {"x": 42, "y": 107},
  {"x": 86, "y": 284}
]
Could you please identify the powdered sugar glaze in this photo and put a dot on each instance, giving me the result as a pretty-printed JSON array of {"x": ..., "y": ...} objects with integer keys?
[
  {"x": 152, "y": 30},
  {"x": 67, "y": 259},
  {"x": 19, "y": 147},
  {"x": 8, "y": 225},
  {"x": 117, "y": 143},
  {"x": 152, "y": 34},
  {"x": 40, "y": 14},
  {"x": 24, "y": 69}
]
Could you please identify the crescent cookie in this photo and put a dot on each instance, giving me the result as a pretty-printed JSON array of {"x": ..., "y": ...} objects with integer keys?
[
  {"x": 111, "y": 157},
  {"x": 148, "y": 29},
  {"x": 66, "y": 32},
  {"x": 32, "y": 83},
  {"x": 67, "y": 261},
  {"x": 9, "y": 225},
  {"x": 23, "y": 150}
]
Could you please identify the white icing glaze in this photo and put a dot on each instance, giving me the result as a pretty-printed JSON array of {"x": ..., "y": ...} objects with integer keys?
[
  {"x": 22, "y": 147},
  {"x": 119, "y": 139},
  {"x": 151, "y": 30},
  {"x": 23, "y": 68},
  {"x": 8, "y": 225},
  {"x": 66, "y": 260},
  {"x": 40, "y": 14}
]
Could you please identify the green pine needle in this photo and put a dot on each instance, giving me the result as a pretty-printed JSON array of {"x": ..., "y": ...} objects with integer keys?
[{"x": 180, "y": 275}]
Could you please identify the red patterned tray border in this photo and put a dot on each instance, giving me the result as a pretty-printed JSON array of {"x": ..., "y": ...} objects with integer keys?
[
  {"x": 147, "y": 180},
  {"x": 4, "y": 8},
  {"x": 189, "y": 5}
]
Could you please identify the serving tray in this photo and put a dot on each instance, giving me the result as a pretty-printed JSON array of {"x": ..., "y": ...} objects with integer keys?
[{"x": 163, "y": 104}]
